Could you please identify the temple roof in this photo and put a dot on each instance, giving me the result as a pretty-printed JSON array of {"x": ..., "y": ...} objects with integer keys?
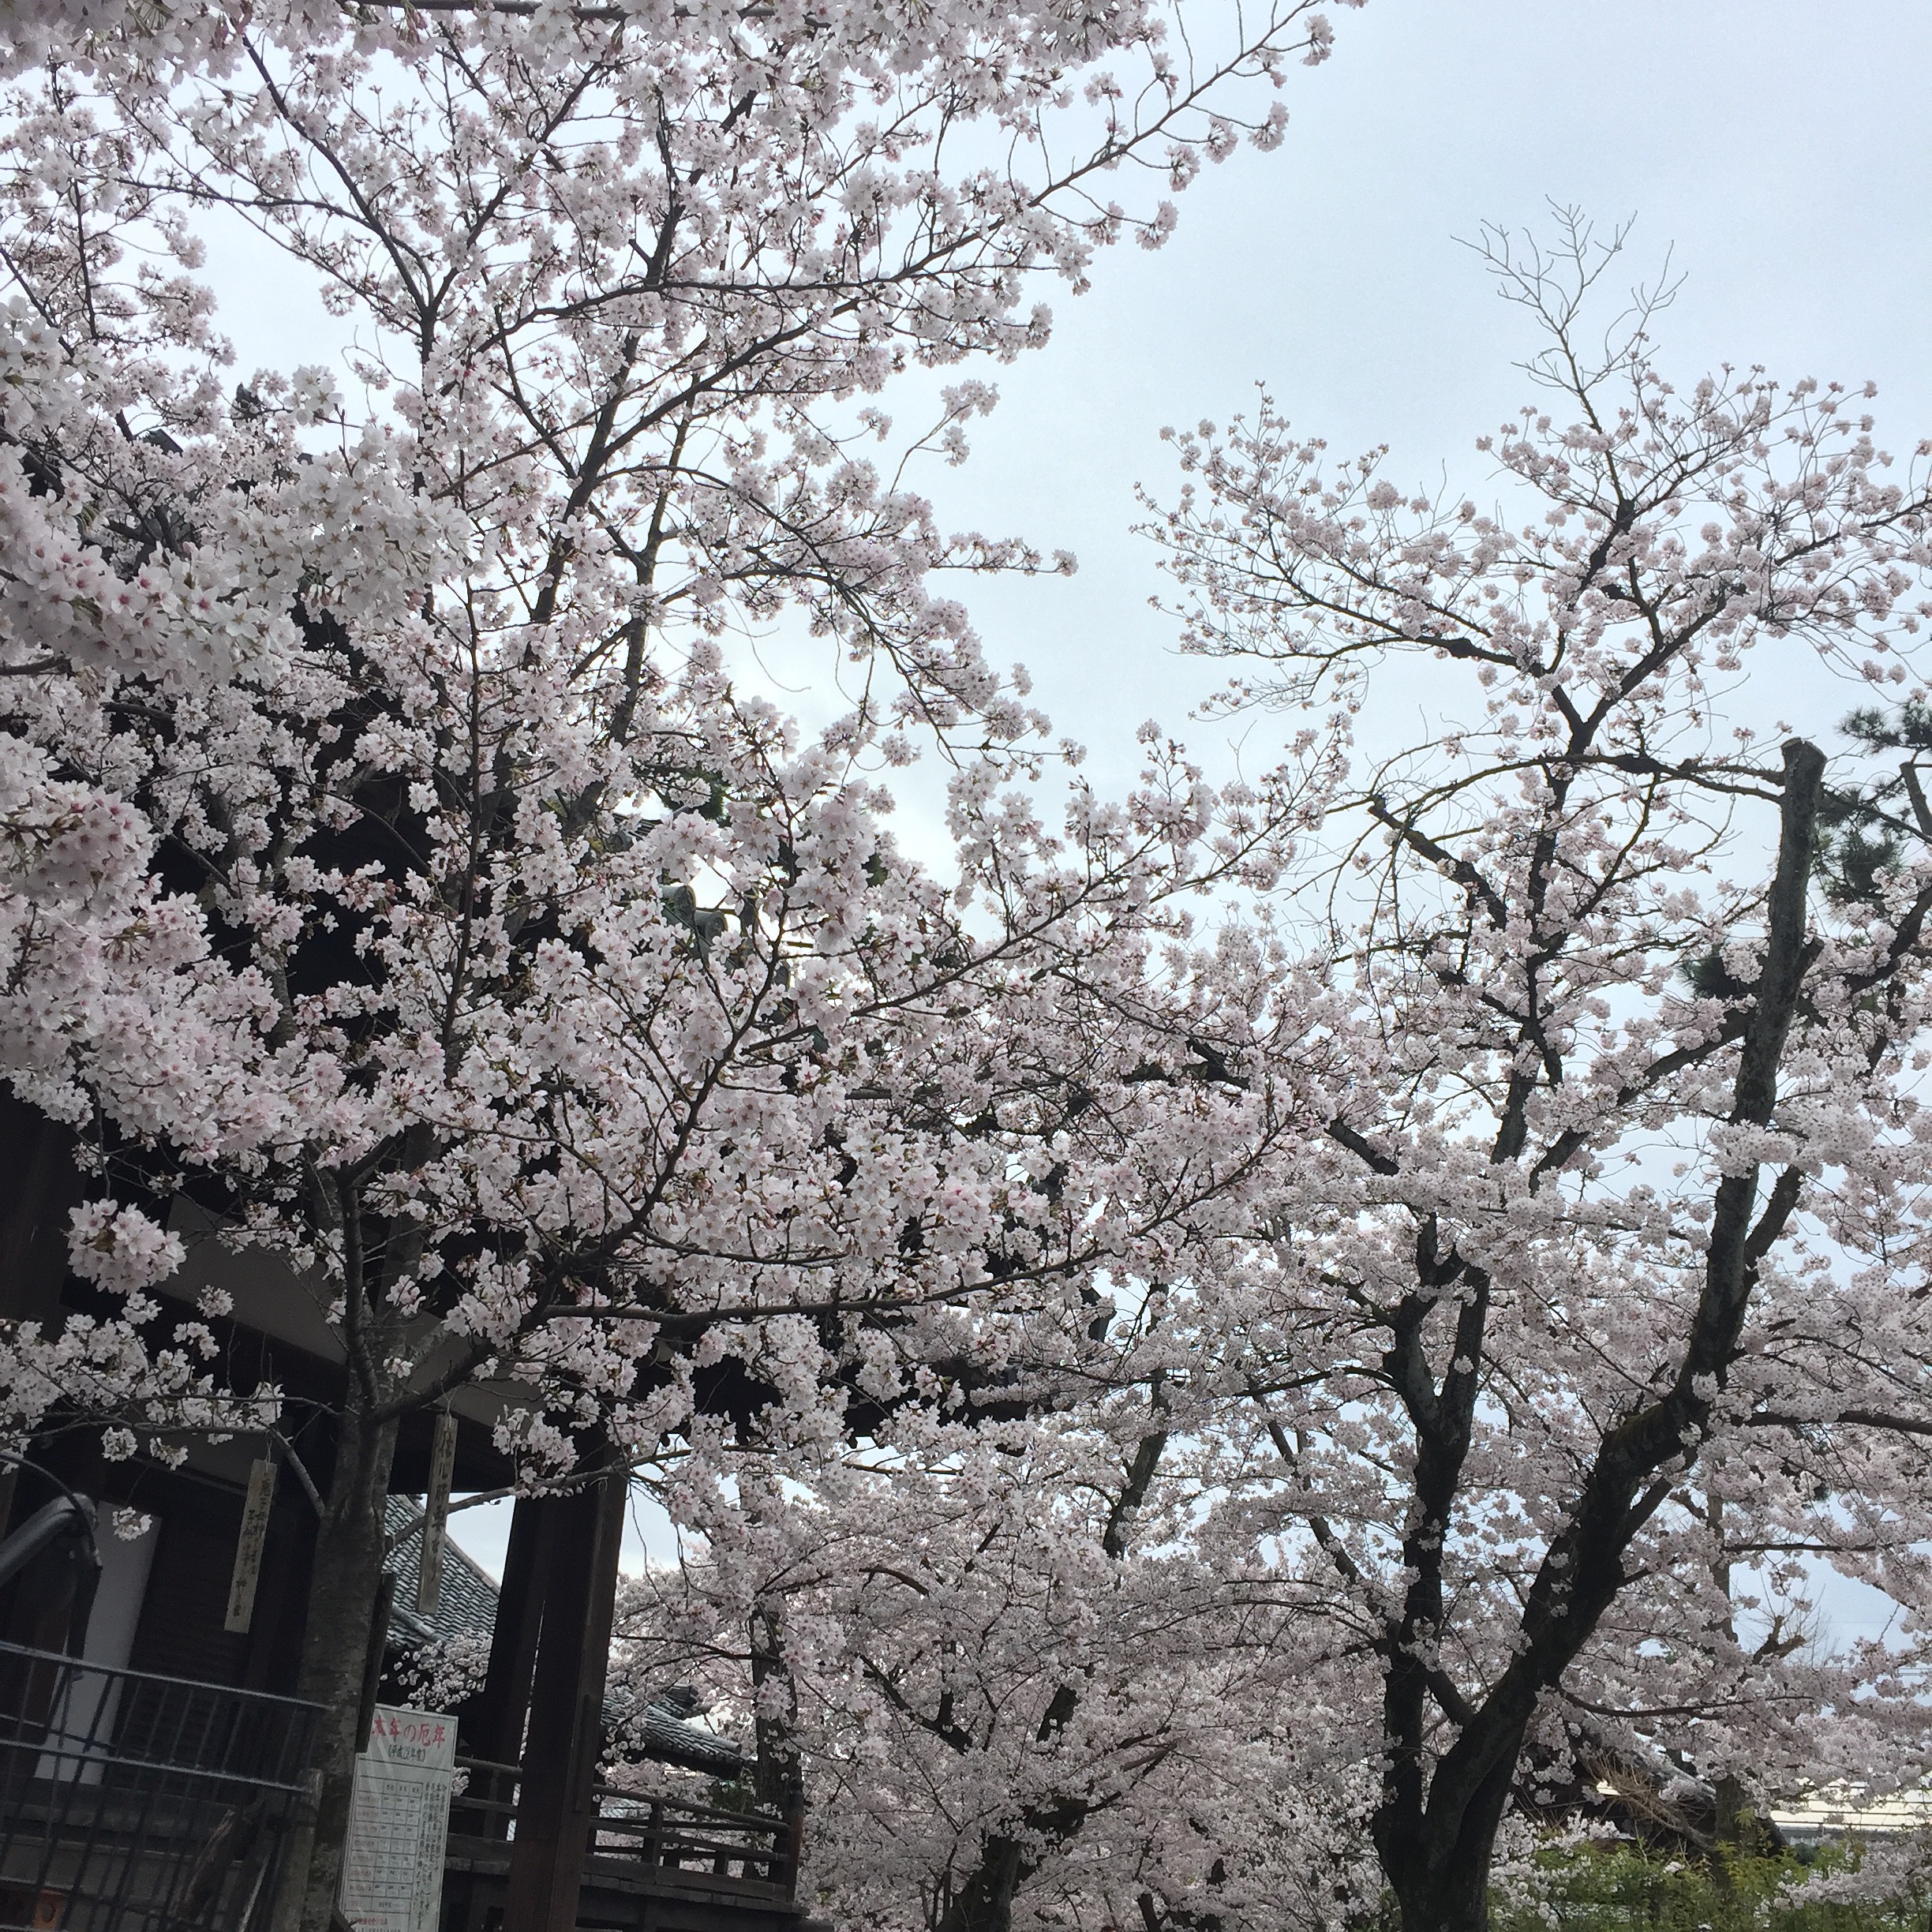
[
  {"x": 653, "y": 1727},
  {"x": 468, "y": 1604}
]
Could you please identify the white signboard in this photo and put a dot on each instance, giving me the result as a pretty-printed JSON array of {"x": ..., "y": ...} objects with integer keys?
[{"x": 398, "y": 1826}]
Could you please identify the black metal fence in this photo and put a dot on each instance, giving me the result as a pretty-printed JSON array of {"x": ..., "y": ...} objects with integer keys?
[{"x": 135, "y": 1803}]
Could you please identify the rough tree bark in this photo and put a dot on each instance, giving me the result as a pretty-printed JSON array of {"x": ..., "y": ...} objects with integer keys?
[
  {"x": 777, "y": 1774},
  {"x": 351, "y": 1546},
  {"x": 1435, "y": 1835},
  {"x": 347, "y": 1571}
]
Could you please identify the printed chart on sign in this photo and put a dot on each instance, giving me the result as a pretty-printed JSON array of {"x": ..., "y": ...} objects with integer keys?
[{"x": 392, "y": 1869}]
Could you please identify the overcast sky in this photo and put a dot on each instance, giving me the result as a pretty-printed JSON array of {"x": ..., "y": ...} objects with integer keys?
[{"x": 1782, "y": 148}]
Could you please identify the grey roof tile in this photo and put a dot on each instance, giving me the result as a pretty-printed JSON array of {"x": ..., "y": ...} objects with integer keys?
[
  {"x": 467, "y": 1607},
  {"x": 468, "y": 1604}
]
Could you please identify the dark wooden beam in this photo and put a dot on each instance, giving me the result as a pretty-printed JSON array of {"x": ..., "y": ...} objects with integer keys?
[
  {"x": 43, "y": 1183},
  {"x": 557, "y": 1799},
  {"x": 496, "y": 1726},
  {"x": 492, "y": 1727}
]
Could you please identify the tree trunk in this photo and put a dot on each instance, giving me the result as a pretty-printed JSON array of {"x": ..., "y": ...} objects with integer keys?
[
  {"x": 984, "y": 1903},
  {"x": 348, "y": 1568},
  {"x": 1435, "y": 1845},
  {"x": 1458, "y": 1903},
  {"x": 778, "y": 1772},
  {"x": 1450, "y": 1892}
]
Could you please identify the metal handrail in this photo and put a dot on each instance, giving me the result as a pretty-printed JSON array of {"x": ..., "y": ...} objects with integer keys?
[
  {"x": 49, "y": 1741},
  {"x": 130, "y": 1799},
  {"x": 160, "y": 1677},
  {"x": 69, "y": 1517}
]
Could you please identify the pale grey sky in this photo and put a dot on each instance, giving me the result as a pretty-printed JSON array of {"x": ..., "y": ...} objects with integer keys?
[{"x": 1782, "y": 148}]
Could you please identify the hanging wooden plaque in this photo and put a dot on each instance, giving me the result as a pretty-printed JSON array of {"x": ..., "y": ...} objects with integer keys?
[
  {"x": 436, "y": 1515},
  {"x": 248, "y": 1545}
]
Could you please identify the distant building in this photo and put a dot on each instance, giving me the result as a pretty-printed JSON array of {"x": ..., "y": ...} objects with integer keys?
[{"x": 1841, "y": 1810}]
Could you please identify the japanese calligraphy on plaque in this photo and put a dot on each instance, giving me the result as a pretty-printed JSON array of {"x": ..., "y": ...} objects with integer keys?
[
  {"x": 399, "y": 1823},
  {"x": 436, "y": 1515},
  {"x": 247, "y": 1573}
]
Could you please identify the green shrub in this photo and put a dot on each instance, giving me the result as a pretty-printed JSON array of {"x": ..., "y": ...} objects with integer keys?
[{"x": 1622, "y": 1888}]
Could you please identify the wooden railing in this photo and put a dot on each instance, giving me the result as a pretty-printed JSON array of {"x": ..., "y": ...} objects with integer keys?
[{"x": 751, "y": 1851}]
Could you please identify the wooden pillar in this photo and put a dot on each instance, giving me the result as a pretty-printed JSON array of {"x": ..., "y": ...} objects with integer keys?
[
  {"x": 37, "y": 1155},
  {"x": 493, "y": 1726},
  {"x": 496, "y": 1729},
  {"x": 557, "y": 1802}
]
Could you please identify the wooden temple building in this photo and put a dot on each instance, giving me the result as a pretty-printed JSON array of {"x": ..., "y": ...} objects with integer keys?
[{"x": 539, "y": 1841}]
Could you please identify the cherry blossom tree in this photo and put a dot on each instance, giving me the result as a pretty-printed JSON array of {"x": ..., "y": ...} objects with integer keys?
[
  {"x": 1010, "y": 1681},
  {"x": 579, "y": 1067},
  {"x": 629, "y": 267},
  {"x": 618, "y": 286},
  {"x": 1587, "y": 1336},
  {"x": 399, "y": 870}
]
